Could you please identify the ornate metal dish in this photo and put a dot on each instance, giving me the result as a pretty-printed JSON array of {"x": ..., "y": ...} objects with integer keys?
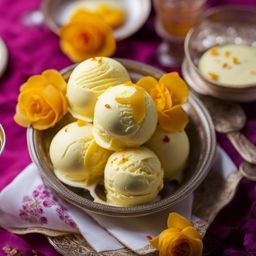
[{"x": 202, "y": 141}]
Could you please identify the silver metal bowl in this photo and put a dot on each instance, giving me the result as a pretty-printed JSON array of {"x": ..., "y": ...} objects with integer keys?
[
  {"x": 4, "y": 57},
  {"x": 202, "y": 143},
  {"x": 2, "y": 139},
  {"x": 219, "y": 26}
]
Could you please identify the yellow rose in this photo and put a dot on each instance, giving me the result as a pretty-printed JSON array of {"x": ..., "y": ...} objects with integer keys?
[
  {"x": 114, "y": 16},
  {"x": 86, "y": 35},
  {"x": 168, "y": 94},
  {"x": 180, "y": 239},
  {"x": 42, "y": 102}
]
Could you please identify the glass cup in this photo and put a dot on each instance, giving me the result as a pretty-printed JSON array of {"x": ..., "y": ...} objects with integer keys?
[{"x": 174, "y": 19}]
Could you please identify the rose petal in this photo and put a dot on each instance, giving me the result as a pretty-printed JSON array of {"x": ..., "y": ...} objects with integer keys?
[
  {"x": 56, "y": 79},
  {"x": 83, "y": 16},
  {"x": 64, "y": 105},
  {"x": 170, "y": 233},
  {"x": 47, "y": 122},
  {"x": 148, "y": 83},
  {"x": 177, "y": 87},
  {"x": 83, "y": 37},
  {"x": 36, "y": 82},
  {"x": 177, "y": 221},
  {"x": 173, "y": 120},
  {"x": 26, "y": 101},
  {"x": 98, "y": 41},
  {"x": 109, "y": 46},
  {"x": 20, "y": 118},
  {"x": 191, "y": 232},
  {"x": 154, "y": 242},
  {"x": 167, "y": 239},
  {"x": 76, "y": 55},
  {"x": 167, "y": 96},
  {"x": 37, "y": 109},
  {"x": 181, "y": 246},
  {"x": 113, "y": 16},
  {"x": 53, "y": 98},
  {"x": 197, "y": 247},
  {"x": 158, "y": 98}
]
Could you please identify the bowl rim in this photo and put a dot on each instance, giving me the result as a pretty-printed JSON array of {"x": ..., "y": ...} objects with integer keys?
[
  {"x": 3, "y": 141},
  {"x": 208, "y": 13},
  {"x": 4, "y": 56},
  {"x": 140, "y": 210},
  {"x": 146, "y": 6}
]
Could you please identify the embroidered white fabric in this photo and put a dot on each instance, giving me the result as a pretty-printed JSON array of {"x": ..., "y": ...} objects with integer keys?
[{"x": 27, "y": 202}]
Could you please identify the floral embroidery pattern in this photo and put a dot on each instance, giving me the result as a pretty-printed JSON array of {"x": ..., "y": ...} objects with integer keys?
[
  {"x": 33, "y": 206},
  {"x": 63, "y": 215}
]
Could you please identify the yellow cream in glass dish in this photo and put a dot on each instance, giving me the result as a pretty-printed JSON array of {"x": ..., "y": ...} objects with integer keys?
[{"x": 230, "y": 65}]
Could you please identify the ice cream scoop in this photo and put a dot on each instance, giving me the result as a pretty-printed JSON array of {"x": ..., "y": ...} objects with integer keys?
[
  {"x": 133, "y": 177},
  {"x": 89, "y": 80},
  {"x": 76, "y": 157},
  {"x": 172, "y": 149},
  {"x": 125, "y": 116}
]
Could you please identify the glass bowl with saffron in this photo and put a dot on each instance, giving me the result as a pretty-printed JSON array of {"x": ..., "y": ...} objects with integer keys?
[{"x": 220, "y": 54}]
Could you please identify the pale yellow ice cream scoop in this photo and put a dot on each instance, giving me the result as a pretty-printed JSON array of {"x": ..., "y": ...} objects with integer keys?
[
  {"x": 76, "y": 157},
  {"x": 125, "y": 116},
  {"x": 133, "y": 177},
  {"x": 89, "y": 80},
  {"x": 172, "y": 149}
]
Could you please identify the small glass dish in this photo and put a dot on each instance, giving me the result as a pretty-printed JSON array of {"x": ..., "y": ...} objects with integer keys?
[
  {"x": 202, "y": 139},
  {"x": 57, "y": 13},
  {"x": 219, "y": 26}
]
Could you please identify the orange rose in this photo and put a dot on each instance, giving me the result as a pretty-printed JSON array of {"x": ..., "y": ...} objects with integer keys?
[
  {"x": 114, "y": 16},
  {"x": 86, "y": 35},
  {"x": 179, "y": 239},
  {"x": 42, "y": 102},
  {"x": 168, "y": 94}
]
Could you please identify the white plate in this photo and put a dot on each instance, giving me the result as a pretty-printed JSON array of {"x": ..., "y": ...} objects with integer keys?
[
  {"x": 57, "y": 13},
  {"x": 3, "y": 57}
]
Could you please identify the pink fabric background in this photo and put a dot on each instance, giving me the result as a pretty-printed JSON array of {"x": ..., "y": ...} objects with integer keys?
[{"x": 34, "y": 49}]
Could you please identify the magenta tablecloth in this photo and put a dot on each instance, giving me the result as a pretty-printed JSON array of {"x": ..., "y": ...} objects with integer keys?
[{"x": 34, "y": 49}]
